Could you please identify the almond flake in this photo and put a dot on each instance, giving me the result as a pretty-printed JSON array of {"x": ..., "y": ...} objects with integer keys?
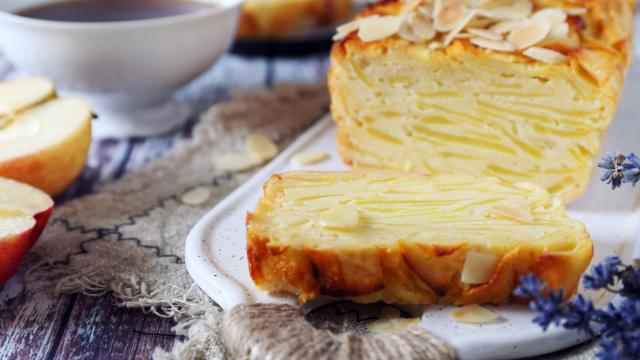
[
  {"x": 235, "y": 162},
  {"x": 555, "y": 16},
  {"x": 406, "y": 32},
  {"x": 434, "y": 45},
  {"x": 5, "y": 119},
  {"x": 577, "y": 11},
  {"x": 529, "y": 34},
  {"x": 308, "y": 158},
  {"x": 504, "y": 27},
  {"x": 196, "y": 196},
  {"x": 492, "y": 45},
  {"x": 545, "y": 55},
  {"x": 421, "y": 26},
  {"x": 451, "y": 35},
  {"x": 519, "y": 212},
  {"x": 261, "y": 147},
  {"x": 340, "y": 217},
  {"x": 490, "y": 4},
  {"x": 426, "y": 10},
  {"x": 559, "y": 31},
  {"x": 378, "y": 28},
  {"x": 480, "y": 23},
  {"x": 390, "y": 325},
  {"x": 448, "y": 14},
  {"x": 465, "y": 36},
  {"x": 487, "y": 34},
  {"x": 520, "y": 9},
  {"x": 478, "y": 268},
  {"x": 345, "y": 29},
  {"x": 474, "y": 314}
]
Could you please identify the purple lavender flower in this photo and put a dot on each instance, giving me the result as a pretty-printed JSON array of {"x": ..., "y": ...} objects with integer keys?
[
  {"x": 620, "y": 169},
  {"x": 632, "y": 169},
  {"x": 603, "y": 275},
  {"x": 613, "y": 164},
  {"x": 618, "y": 326}
]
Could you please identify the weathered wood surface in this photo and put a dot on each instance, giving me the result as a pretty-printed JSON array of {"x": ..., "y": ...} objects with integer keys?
[{"x": 36, "y": 324}]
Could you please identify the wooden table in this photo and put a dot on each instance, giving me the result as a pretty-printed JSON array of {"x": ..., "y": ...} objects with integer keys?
[{"x": 36, "y": 324}]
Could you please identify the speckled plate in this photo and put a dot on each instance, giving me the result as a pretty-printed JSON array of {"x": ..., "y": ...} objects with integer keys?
[{"x": 216, "y": 259}]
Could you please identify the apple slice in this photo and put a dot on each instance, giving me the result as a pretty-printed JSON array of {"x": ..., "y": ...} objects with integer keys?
[
  {"x": 45, "y": 145},
  {"x": 18, "y": 95},
  {"x": 24, "y": 213}
]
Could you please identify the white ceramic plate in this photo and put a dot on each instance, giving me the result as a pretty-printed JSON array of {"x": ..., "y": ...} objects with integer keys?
[{"x": 215, "y": 250}]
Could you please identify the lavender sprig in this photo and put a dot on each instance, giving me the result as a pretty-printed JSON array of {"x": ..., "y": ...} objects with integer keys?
[
  {"x": 618, "y": 326},
  {"x": 620, "y": 169}
]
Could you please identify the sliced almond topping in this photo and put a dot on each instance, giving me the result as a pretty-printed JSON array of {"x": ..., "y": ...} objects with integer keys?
[
  {"x": 529, "y": 34},
  {"x": 340, "y": 217},
  {"x": 480, "y": 23},
  {"x": 344, "y": 30},
  {"x": 559, "y": 31},
  {"x": 555, "y": 16},
  {"x": 421, "y": 26},
  {"x": 426, "y": 10},
  {"x": 196, "y": 196},
  {"x": 517, "y": 212},
  {"x": 5, "y": 119},
  {"x": 504, "y": 27},
  {"x": 261, "y": 147},
  {"x": 545, "y": 55},
  {"x": 406, "y": 32},
  {"x": 491, "y": 4},
  {"x": 235, "y": 162},
  {"x": 478, "y": 268},
  {"x": 434, "y": 45},
  {"x": 487, "y": 34},
  {"x": 308, "y": 158},
  {"x": 492, "y": 44},
  {"x": 447, "y": 14},
  {"x": 577, "y": 11},
  {"x": 378, "y": 28},
  {"x": 390, "y": 325},
  {"x": 519, "y": 9},
  {"x": 456, "y": 30},
  {"x": 474, "y": 314}
]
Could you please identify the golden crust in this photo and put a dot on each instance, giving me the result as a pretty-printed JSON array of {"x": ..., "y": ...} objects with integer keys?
[
  {"x": 403, "y": 271},
  {"x": 595, "y": 69},
  {"x": 279, "y": 18}
]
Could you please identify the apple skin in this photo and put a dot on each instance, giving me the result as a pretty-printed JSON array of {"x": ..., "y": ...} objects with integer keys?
[
  {"x": 54, "y": 169},
  {"x": 14, "y": 248}
]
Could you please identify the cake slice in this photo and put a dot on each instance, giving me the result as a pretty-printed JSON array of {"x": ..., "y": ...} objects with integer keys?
[
  {"x": 410, "y": 238},
  {"x": 517, "y": 89}
]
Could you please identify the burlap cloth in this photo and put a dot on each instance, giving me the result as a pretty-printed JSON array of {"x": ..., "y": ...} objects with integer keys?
[{"x": 128, "y": 240}]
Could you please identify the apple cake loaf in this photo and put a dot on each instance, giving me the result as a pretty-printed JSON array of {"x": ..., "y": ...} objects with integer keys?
[
  {"x": 517, "y": 89},
  {"x": 278, "y": 18},
  {"x": 410, "y": 238}
]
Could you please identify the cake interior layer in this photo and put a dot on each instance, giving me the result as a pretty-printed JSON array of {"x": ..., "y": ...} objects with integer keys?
[
  {"x": 460, "y": 110},
  {"x": 482, "y": 213}
]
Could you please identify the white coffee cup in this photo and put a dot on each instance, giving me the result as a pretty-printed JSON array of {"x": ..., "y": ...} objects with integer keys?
[{"x": 128, "y": 70}]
